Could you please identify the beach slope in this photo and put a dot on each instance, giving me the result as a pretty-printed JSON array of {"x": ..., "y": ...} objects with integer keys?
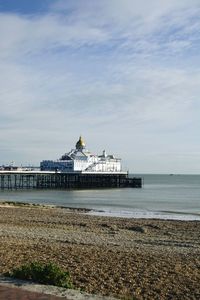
[{"x": 125, "y": 258}]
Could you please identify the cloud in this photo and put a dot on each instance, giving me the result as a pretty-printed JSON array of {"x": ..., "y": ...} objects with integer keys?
[
  {"x": 110, "y": 69},
  {"x": 130, "y": 17},
  {"x": 129, "y": 26}
]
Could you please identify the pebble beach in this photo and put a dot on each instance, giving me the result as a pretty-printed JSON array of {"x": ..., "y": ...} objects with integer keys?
[{"x": 123, "y": 258}]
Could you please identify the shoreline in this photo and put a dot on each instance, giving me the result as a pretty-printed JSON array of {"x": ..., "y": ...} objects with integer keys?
[
  {"x": 138, "y": 258},
  {"x": 158, "y": 215},
  {"x": 127, "y": 214}
]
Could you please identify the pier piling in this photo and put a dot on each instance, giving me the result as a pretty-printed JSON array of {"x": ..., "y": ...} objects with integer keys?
[{"x": 54, "y": 180}]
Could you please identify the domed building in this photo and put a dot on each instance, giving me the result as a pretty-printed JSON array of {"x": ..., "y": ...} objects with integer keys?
[{"x": 82, "y": 160}]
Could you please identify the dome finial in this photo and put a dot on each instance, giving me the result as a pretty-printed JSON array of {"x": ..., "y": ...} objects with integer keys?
[{"x": 80, "y": 144}]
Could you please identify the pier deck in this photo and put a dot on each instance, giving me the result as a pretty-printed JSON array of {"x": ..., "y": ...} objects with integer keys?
[{"x": 56, "y": 180}]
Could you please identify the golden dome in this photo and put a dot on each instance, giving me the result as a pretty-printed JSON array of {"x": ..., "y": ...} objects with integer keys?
[{"x": 80, "y": 144}]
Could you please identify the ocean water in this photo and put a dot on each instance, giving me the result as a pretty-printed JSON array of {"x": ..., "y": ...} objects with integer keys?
[{"x": 162, "y": 196}]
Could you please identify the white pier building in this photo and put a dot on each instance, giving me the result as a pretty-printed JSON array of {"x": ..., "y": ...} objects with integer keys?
[{"x": 82, "y": 160}]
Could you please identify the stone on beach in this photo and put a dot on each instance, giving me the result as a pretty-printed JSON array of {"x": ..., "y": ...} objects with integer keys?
[{"x": 135, "y": 258}]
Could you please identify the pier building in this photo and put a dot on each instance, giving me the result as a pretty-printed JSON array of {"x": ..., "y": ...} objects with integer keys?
[
  {"x": 82, "y": 160},
  {"x": 76, "y": 169}
]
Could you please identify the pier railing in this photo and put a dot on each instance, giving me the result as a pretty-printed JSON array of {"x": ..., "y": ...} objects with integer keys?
[{"x": 55, "y": 180}]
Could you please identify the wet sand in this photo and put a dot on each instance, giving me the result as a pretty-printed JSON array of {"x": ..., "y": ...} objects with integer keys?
[{"x": 125, "y": 258}]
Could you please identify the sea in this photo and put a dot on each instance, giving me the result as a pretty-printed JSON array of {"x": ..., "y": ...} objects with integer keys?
[{"x": 171, "y": 196}]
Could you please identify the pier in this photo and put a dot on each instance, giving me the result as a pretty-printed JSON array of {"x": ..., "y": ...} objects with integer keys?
[{"x": 13, "y": 180}]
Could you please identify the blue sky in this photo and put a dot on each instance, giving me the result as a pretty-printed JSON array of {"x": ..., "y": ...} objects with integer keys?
[{"x": 124, "y": 74}]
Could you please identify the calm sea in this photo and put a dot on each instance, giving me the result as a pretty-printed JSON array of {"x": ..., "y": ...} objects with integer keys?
[{"x": 162, "y": 196}]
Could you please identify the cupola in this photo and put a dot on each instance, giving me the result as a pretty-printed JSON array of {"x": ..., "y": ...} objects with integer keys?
[{"x": 80, "y": 144}]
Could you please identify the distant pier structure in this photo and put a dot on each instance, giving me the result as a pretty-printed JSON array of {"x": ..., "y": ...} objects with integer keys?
[
  {"x": 80, "y": 159},
  {"x": 77, "y": 169},
  {"x": 57, "y": 180}
]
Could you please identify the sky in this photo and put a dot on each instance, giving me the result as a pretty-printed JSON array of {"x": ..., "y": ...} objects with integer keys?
[{"x": 124, "y": 74}]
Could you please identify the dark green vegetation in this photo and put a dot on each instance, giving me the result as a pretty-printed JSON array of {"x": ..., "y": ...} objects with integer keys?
[{"x": 42, "y": 273}]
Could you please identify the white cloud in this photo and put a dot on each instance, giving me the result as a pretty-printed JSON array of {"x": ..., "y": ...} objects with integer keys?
[{"x": 112, "y": 69}]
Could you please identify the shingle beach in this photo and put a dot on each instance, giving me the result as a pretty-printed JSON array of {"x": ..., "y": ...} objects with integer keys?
[{"x": 124, "y": 258}]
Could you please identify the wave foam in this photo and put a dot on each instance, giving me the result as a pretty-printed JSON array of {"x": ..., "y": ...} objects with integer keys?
[{"x": 142, "y": 214}]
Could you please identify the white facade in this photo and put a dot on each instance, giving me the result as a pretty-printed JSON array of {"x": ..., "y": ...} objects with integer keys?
[{"x": 81, "y": 160}]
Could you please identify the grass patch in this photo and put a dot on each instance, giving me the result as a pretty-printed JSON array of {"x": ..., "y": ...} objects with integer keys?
[{"x": 42, "y": 273}]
